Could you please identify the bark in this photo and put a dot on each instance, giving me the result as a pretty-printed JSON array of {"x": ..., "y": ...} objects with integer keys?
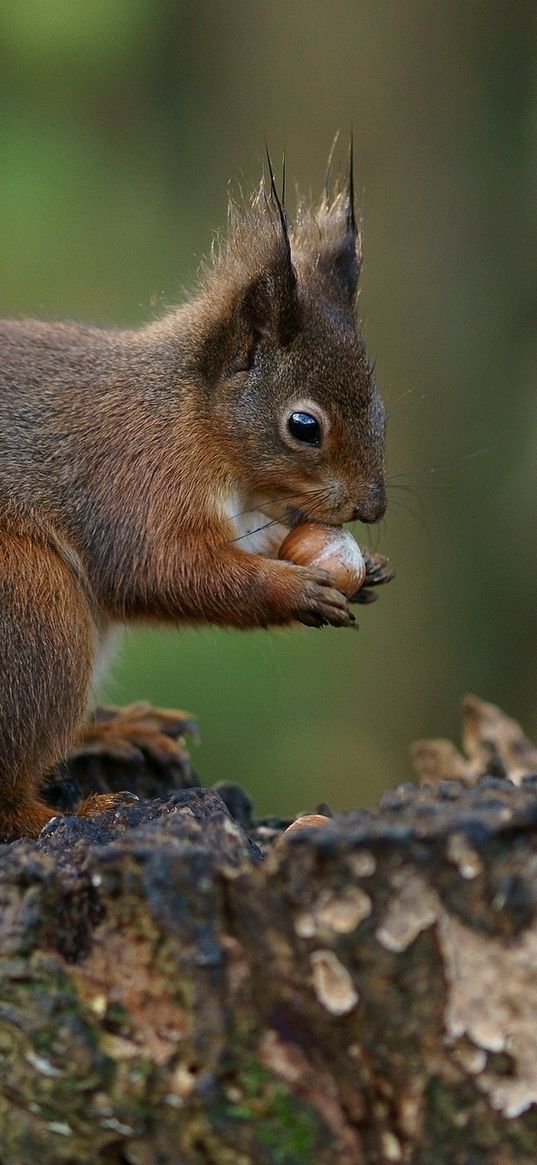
[{"x": 366, "y": 992}]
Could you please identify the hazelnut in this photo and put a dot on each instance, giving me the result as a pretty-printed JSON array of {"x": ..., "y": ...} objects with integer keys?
[
  {"x": 308, "y": 821},
  {"x": 330, "y": 548}
]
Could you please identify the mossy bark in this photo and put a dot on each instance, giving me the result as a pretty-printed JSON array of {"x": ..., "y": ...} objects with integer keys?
[{"x": 366, "y": 994}]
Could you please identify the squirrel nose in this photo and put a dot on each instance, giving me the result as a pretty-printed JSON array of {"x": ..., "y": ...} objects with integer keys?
[{"x": 372, "y": 506}]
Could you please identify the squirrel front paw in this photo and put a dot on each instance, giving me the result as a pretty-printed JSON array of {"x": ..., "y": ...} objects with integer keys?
[
  {"x": 377, "y": 572},
  {"x": 319, "y": 603}
]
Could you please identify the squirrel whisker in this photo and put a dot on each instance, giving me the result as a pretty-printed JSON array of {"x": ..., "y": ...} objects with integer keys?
[
  {"x": 264, "y": 526},
  {"x": 270, "y": 501},
  {"x": 322, "y": 496},
  {"x": 424, "y": 469}
]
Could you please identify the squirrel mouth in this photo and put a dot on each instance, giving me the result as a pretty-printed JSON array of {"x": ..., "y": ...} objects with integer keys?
[{"x": 294, "y": 516}]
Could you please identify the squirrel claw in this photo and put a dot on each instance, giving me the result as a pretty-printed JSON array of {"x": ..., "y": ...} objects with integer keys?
[
  {"x": 337, "y": 617},
  {"x": 321, "y": 603},
  {"x": 364, "y": 596}
]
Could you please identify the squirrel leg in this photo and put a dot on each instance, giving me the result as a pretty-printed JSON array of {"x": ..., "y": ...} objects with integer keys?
[
  {"x": 263, "y": 592},
  {"x": 47, "y": 647},
  {"x": 236, "y": 589},
  {"x": 137, "y": 748}
]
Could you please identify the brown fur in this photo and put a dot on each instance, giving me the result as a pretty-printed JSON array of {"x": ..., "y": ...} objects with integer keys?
[{"x": 124, "y": 453}]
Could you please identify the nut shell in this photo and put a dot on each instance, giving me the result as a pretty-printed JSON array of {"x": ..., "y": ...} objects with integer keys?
[
  {"x": 309, "y": 821},
  {"x": 330, "y": 548}
]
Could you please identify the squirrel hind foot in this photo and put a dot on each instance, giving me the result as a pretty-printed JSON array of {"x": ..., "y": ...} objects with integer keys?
[
  {"x": 30, "y": 817},
  {"x": 101, "y": 802}
]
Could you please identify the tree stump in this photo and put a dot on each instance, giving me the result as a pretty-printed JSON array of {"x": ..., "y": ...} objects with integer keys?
[{"x": 175, "y": 988}]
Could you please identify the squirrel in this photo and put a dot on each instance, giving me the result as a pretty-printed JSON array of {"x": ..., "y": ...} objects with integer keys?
[{"x": 151, "y": 474}]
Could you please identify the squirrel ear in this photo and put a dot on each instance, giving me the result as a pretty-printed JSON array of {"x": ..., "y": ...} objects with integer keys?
[
  {"x": 267, "y": 308},
  {"x": 340, "y": 247},
  {"x": 269, "y": 304},
  {"x": 340, "y": 258}
]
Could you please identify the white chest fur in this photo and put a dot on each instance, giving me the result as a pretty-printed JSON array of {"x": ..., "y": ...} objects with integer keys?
[
  {"x": 253, "y": 531},
  {"x": 108, "y": 635}
]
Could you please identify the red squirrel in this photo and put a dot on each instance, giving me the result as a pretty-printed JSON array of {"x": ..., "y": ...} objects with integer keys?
[{"x": 151, "y": 474}]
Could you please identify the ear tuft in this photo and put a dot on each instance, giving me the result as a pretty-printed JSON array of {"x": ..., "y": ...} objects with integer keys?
[
  {"x": 336, "y": 252},
  {"x": 351, "y": 216},
  {"x": 329, "y": 243},
  {"x": 251, "y": 282}
]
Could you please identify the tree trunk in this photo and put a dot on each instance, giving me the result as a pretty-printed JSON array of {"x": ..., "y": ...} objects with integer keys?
[{"x": 368, "y": 993}]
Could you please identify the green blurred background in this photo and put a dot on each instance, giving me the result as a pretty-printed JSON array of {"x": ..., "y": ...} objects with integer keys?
[{"x": 122, "y": 122}]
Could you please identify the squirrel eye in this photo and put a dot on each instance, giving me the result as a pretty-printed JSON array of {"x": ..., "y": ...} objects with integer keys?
[{"x": 303, "y": 427}]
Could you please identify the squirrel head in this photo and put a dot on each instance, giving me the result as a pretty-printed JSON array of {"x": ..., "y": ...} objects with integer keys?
[{"x": 284, "y": 377}]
